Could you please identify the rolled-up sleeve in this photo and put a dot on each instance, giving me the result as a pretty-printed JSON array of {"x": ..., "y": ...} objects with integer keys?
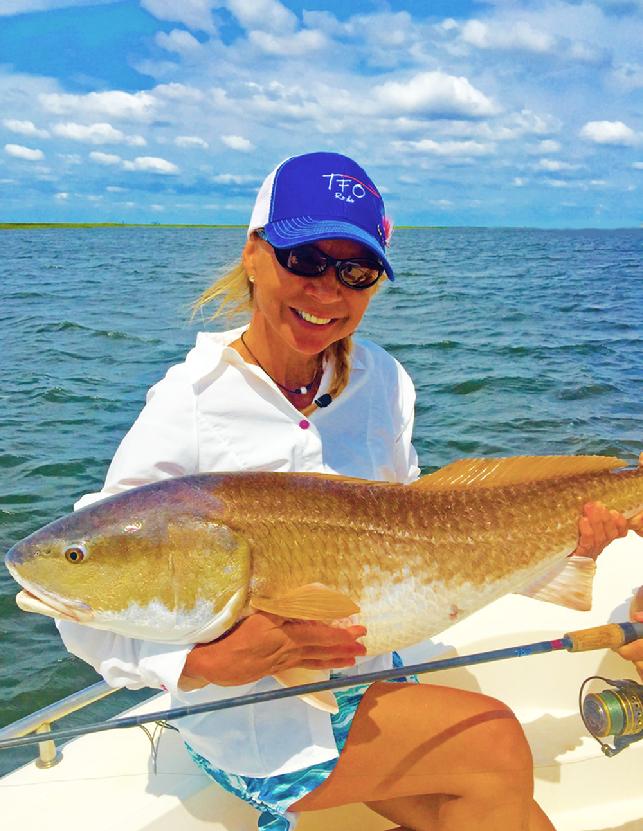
[{"x": 126, "y": 662}]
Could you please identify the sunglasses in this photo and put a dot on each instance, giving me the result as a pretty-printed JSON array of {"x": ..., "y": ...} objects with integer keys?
[{"x": 309, "y": 261}]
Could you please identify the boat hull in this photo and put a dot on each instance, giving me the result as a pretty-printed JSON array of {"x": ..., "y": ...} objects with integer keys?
[{"x": 107, "y": 779}]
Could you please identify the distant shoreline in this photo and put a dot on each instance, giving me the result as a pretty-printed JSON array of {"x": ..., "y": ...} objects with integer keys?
[
  {"x": 9, "y": 226},
  {"x": 16, "y": 226}
]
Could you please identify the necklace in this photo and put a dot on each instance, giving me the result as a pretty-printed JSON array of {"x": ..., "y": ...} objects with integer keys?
[{"x": 304, "y": 390}]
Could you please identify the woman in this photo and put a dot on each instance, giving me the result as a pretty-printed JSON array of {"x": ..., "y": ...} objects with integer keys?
[{"x": 294, "y": 391}]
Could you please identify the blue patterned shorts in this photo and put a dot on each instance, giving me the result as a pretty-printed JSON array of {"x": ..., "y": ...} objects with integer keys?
[{"x": 273, "y": 795}]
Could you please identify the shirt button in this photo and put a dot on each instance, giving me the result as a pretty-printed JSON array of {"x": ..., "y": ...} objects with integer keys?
[{"x": 304, "y": 424}]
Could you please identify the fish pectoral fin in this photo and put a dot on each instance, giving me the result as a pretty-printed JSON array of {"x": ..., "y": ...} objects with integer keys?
[
  {"x": 568, "y": 584},
  {"x": 517, "y": 470},
  {"x": 323, "y": 700},
  {"x": 314, "y": 601}
]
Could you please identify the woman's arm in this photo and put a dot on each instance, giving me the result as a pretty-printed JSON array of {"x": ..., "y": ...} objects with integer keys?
[{"x": 264, "y": 644}]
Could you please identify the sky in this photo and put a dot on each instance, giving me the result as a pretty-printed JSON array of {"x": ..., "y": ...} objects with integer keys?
[{"x": 499, "y": 113}]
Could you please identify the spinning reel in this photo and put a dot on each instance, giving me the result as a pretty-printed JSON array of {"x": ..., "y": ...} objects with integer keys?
[{"x": 614, "y": 712}]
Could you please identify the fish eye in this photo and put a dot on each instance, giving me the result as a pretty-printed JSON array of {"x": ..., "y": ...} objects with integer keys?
[{"x": 75, "y": 554}]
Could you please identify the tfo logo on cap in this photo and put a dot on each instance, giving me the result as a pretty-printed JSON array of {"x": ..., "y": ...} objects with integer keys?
[{"x": 347, "y": 188}]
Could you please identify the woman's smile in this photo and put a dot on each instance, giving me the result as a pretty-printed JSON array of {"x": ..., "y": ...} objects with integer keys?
[{"x": 314, "y": 320}]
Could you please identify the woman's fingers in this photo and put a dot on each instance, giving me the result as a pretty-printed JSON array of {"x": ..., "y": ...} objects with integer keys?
[
  {"x": 633, "y": 652},
  {"x": 597, "y": 528},
  {"x": 319, "y": 642},
  {"x": 636, "y": 524}
]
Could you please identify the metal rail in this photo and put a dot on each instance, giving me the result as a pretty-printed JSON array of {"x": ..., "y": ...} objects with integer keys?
[{"x": 41, "y": 720}]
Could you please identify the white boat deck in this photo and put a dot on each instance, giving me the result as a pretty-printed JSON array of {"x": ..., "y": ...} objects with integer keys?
[{"x": 106, "y": 781}]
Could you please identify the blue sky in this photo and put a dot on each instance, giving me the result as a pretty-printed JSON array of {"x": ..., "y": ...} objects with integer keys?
[{"x": 464, "y": 113}]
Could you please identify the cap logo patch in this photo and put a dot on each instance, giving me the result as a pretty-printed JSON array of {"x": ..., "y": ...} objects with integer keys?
[{"x": 347, "y": 188}]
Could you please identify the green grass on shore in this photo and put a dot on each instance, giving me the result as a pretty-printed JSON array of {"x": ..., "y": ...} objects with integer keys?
[{"x": 13, "y": 226}]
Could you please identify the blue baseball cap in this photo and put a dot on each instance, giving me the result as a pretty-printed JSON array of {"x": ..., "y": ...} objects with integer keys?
[{"x": 321, "y": 196}]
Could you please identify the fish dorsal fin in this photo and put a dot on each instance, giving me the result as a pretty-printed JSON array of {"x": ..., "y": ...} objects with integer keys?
[
  {"x": 516, "y": 470},
  {"x": 314, "y": 601}
]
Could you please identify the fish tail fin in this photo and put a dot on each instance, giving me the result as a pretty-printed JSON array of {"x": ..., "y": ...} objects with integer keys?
[
  {"x": 323, "y": 700},
  {"x": 567, "y": 584}
]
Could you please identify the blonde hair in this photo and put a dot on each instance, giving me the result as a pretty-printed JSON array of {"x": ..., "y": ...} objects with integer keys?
[{"x": 234, "y": 293}]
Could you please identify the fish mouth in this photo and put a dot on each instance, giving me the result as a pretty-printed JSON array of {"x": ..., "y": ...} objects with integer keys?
[{"x": 53, "y": 607}]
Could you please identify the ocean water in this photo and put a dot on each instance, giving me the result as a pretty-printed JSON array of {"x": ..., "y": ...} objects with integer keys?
[{"x": 519, "y": 342}]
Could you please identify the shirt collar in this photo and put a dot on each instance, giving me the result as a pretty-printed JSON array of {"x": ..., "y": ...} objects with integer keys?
[{"x": 212, "y": 349}]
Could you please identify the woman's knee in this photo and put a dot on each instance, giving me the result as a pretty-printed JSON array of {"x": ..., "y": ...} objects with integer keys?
[{"x": 505, "y": 745}]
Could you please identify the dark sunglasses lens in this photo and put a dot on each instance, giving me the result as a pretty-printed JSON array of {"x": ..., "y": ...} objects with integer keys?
[
  {"x": 306, "y": 260},
  {"x": 360, "y": 274}
]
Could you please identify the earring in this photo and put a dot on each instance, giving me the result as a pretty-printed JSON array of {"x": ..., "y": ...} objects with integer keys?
[{"x": 251, "y": 278}]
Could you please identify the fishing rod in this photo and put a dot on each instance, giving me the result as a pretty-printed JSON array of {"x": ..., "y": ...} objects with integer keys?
[{"x": 609, "y": 636}]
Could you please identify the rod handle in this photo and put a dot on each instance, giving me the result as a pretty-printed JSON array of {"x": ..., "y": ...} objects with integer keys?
[{"x": 609, "y": 636}]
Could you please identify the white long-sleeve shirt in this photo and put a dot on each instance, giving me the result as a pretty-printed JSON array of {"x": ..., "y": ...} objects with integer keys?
[{"x": 215, "y": 412}]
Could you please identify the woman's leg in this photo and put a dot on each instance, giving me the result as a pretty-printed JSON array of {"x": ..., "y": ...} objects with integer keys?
[{"x": 430, "y": 757}]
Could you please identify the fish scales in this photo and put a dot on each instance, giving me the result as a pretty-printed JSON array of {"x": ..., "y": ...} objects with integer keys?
[{"x": 413, "y": 558}]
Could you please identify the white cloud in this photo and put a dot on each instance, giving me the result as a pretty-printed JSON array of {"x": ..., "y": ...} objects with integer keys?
[
  {"x": 136, "y": 106},
  {"x": 238, "y": 143},
  {"x": 11, "y": 7},
  {"x": 234, "y": 179},
  {"x": 547, "y": 146},
  {"x": 519, "y": 35},
  {"x": 637, "y": 165},
  {"x": 608, "y": 132},
  {"x": 191, "y": 141},
  {"x": 177, "y": 92},
  {"x": 271, "y": 15},
  {"x": 519, "y": 182},
  {"x": 628, "y": 76},
  {"x": 195, "y": 14},
  {"x": 70, "y": 158},
  {"x": 27, "y": 153},
  {"x": 99, "y": 133},
  {"x": 24, "y": 128},
  {"x": 105, "y": 158},
  {"x": 298, "y": 43},
  {"x": 553, "y": 165},
  {"x": 62, "y": 196},
  {"x": 151, "y": 164},
  {"x": 433, "y": 93},
  {"x": 179, "y": 41},
  {"x": 445, "y": 148}
]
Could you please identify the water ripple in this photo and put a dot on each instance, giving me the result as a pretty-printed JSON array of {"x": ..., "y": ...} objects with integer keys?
[{"x": 519, "y": 341}]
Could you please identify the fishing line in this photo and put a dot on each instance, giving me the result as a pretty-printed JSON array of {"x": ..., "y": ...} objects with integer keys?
[{"x": 611, "y": 636}]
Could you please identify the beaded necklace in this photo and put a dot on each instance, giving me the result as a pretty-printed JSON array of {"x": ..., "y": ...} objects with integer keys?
[{"x": 303, "y": 390}]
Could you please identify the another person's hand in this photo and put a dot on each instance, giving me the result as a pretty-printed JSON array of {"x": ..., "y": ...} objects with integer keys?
[
  {"x": 263, "y": 644},
  {"x": 634, "y": 651}
]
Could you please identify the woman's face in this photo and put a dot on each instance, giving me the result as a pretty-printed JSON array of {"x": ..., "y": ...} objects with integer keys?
[{"x": 283, "y": 301}]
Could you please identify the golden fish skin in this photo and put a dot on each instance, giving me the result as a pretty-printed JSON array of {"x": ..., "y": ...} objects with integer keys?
[{"x": 412, "y": 558}]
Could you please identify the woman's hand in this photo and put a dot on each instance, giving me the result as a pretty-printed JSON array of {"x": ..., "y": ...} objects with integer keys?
[
  {"x": 263, "y": 644},
  {"x": 634, "y": 651},
  {"x": 597, "y": 528}
]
